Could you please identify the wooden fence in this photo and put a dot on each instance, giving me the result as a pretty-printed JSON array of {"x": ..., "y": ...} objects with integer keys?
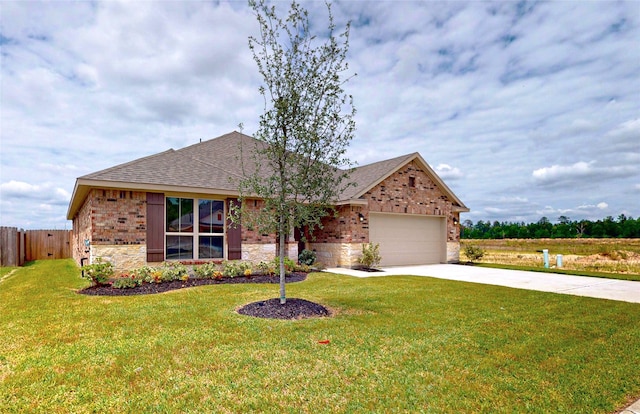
[{"x": 19, "y": 246}]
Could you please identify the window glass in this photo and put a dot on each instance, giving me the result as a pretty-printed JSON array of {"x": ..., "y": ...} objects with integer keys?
[
  {"x": 200, "y": 236},
  {"x": 211, "y": 216},
  {"x": 179, "y": 247},
  {"x": 179, "y": 215},
  {"x": 210, "y": 247}
]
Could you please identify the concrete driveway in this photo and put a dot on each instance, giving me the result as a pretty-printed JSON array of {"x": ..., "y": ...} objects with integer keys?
[{"x": 593, "y": 287}]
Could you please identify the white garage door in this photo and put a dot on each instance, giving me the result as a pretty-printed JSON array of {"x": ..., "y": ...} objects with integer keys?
[{"x": 408, "y": 239}]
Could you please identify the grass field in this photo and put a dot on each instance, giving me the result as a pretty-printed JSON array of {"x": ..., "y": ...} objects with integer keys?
[
  {"x": 397, "y": 344},
  {"x": 616, "y": 258}
]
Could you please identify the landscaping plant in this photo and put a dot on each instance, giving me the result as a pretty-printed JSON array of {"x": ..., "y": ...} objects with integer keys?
[
  {"x": 98, "y": 272},
  {"x": 306, "y": 127},
  {"x": 207, "y": 271},
  {"x": 370, "y": 255},
  {"x": 307, "y": 257},
  {"x": 473, "y": 252}
]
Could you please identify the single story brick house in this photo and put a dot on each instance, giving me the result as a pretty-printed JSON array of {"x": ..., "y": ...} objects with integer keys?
[{"x": 174, "y": 205}]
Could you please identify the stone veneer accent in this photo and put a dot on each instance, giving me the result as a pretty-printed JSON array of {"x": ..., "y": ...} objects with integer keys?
[
  {"x": 453, "y": 252},
  {"x": 337, "y": 254},
  {"x": 256, "y": 246},
  {"x": 122, "y": 257},
  {"x": 258, "y": 252},
  {"x": 267, "y": 251}
]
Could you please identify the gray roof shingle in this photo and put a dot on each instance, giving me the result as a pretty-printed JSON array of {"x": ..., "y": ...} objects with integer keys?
[{"x": 218, "y": 164}]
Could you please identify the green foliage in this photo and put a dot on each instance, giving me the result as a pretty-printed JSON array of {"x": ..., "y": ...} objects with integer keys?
[
  {"x": 147, "y": 274},
  {"x": 207, "y": 271},
  {"x": 170, "y": 271},
  {"x": 99, "y": 272},
  {"x": 307, "y": 257},
  {"x": 235, "y": 268},
  {"x": 307, "y": 124},
  {"x": 126, "y": 282},
  {"x": 473, "y": 252},
  {"x": 289, "y": 264},
  {"x": 370, "y": 255},
  {"x": 267, "y": 268},
  {"x": 622, "y": 226}
]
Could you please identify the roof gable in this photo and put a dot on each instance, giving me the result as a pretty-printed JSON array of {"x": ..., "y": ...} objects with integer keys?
[{"x": 368, "y": 176}]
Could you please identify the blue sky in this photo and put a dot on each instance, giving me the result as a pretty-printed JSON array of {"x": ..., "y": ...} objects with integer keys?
[{"x": 525, "y": 109}]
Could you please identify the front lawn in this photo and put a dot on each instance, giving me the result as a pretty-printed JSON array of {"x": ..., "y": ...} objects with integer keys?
[{"x": 396, "y": 344}]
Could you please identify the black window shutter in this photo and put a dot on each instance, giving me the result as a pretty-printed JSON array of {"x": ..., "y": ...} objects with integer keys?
[
  {"x": 234, "y": 234},
  {"x": 155, "y": 227}
]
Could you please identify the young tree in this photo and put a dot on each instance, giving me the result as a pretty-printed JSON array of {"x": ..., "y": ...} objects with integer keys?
[{"x": 305, "y": 129}]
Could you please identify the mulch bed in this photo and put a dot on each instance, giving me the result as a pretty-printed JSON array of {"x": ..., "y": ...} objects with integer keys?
[
  {"x": 272, "y": 309},
  {"x": 150, "y": 288},
  {"x": 293, "y": 309}
]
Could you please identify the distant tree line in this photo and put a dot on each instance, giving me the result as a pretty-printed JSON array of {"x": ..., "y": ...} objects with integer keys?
[{"x": 623, "y": 227}]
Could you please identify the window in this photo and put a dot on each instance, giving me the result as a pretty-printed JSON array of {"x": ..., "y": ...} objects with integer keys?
[
  {"x": 412, "y": 181},
  {"x": 192, "y": 234}
]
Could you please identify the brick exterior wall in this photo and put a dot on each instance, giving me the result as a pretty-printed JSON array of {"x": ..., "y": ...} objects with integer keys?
[
  {"x": 396, "y": 195},
  {"x": 251, "y": 235},
  {"x": 392, "y": 195},
  {"x": 119, "y": 217},
  {"x": 109, "y": 218},
  {"x": 113, "y": 218}
]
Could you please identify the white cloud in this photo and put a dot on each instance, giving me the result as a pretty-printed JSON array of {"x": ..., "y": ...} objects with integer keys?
[
  {"x": 447, "y": 172},
  {"x": 17, "y": 190},
  {"x": 559, "y": 172},
  {"x": 580, "y": 174},
  {"x": 514, "y": 199},
  {"x": 510, "y": 105}
]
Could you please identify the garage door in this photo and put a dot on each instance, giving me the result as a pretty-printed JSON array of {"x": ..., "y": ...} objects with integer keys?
[{"x": 408, "y": 239}]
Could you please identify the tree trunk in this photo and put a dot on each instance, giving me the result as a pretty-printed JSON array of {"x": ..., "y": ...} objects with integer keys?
[{"x": 283, "y": 298}]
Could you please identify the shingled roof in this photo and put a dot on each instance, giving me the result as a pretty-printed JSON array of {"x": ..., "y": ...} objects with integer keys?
[{"x": 216, "y": 166}]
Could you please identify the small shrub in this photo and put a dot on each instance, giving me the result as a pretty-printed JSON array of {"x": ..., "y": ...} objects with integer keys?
[
  {"x": 126, "y": 282},
  {"x": 172, "y": 271},
  {"x": 235, "y": 268},
  {"x": 99, "y": 272},
  {"x": 370, "y": 255},
  {"x": 473, "y": 253},
  {"x": 302, "y": 268},
  {"x": 267, "y": 268},
  {"x": 207, "y": 270},
  {"x": 289, "y": 265},
  {"x": 145, "y": 274},
  {"x": 307, "y": 257}
]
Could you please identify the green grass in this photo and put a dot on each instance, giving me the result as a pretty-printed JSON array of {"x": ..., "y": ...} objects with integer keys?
[
  {"x": 398, "y": 344},
  {"x": 619, "y": 276},
  {"x": 4, "y": 271}
]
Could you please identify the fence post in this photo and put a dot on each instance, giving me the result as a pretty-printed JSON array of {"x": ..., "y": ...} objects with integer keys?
[{"x": 8, "y": 246}]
